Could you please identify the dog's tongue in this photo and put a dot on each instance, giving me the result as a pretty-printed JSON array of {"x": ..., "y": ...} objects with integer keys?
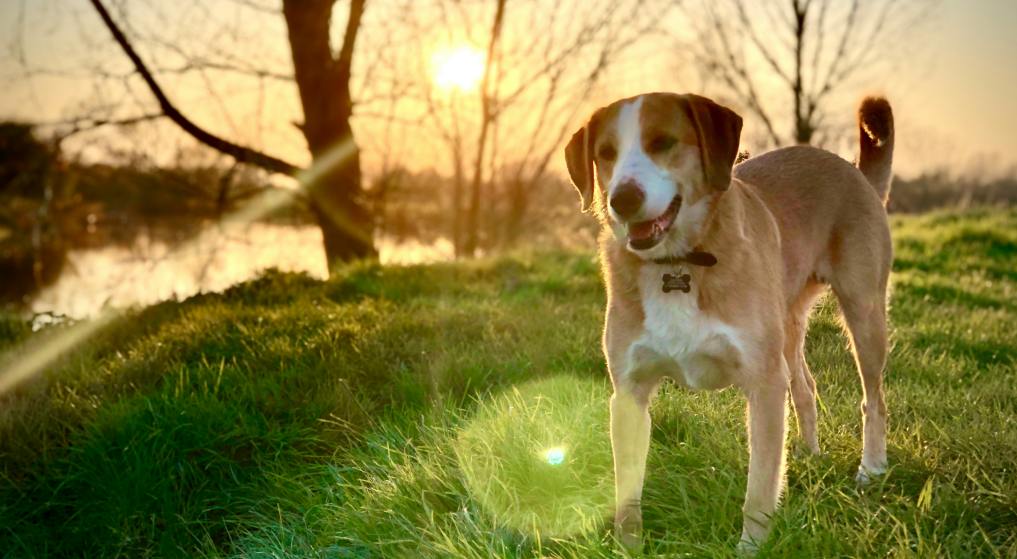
[{"x": 641, "y": 230}]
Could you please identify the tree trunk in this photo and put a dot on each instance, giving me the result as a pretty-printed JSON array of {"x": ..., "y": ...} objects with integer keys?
[
  {"x": 323, "y": 79},
  {"x": 334, "y": 183},
  {"x": 803, "y": 122},
  {"x": 473, "y": 215},
  {"x": 457, "y": 200}
]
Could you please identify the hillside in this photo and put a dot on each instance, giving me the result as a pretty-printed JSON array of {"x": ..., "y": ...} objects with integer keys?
[{"x": 359, "y": 417}]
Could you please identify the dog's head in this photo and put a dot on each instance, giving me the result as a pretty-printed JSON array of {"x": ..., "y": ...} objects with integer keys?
[{"x": 661, "y": 161}]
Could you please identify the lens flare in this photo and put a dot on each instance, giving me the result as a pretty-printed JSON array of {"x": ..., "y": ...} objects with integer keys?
[
  {"x": 42, "y": 349},
  {"x": 520, "y": 473},
  {"x": 554, "y": 456}
]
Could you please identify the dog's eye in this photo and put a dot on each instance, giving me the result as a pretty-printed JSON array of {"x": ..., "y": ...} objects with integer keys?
[
  {"x": 662, "y": 143},
  {"x": 607, "y": 152}
]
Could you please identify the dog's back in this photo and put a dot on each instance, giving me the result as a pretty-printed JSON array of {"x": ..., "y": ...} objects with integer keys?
[{"x": 823, "y": 204}]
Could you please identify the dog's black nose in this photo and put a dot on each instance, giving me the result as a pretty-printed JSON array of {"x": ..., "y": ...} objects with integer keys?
[{"x": 627, "y": 199}]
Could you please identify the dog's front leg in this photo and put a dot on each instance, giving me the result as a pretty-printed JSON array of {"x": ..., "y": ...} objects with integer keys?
[
  {"x": 630, "y": 418},
  {"x": 767, "y": 417},
  {"x": 630, "y": 442}
]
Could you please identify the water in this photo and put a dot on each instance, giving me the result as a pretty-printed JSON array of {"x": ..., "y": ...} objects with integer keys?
[{"x": 150, "y": 271}]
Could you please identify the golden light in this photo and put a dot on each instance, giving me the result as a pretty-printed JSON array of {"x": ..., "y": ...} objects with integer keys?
[{"x": 459, "y": 68}]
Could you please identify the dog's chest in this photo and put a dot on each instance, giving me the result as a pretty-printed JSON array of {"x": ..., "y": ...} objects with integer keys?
[{"x": 679, "y": 340}]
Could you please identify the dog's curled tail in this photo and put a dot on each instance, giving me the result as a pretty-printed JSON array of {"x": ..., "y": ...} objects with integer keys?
[{"x": 875, "y": 131}]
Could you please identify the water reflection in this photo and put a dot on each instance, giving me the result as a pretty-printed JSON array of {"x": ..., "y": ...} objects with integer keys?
[{"x": 149, "y": 271}]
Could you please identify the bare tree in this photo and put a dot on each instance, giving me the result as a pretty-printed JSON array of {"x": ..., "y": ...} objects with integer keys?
[
  {"x": 543, "y": 62},
  {"x": 805, "y": 49},
  {"x": 486, "y": 118},
  {"x": 323, "y": 80}
]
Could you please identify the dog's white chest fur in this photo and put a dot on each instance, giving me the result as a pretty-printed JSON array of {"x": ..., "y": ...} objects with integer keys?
[{"x": 681, "y": 341}]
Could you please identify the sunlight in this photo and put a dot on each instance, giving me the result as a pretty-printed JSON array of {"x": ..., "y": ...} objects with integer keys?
[
  {"x": 459, "y": 68},
  {"x": 43, "y": 349}
]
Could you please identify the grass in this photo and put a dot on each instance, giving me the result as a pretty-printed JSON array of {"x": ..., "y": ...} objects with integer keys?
[{"x": 408, "y": 412}]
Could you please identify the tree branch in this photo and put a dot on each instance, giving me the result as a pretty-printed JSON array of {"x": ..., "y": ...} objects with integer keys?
[
  {"x": 818, "y": 49},
  {"x": 842, "y": 49},
  {"x": 240, "y": 153},
  {"x": 770, "y": 59},
  {"x": 345, "y": 58},
  {"x": 740, "y": 70},
  {"x": 80, "y": 125}
]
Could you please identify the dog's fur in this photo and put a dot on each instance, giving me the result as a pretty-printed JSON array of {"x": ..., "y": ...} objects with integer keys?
[{"x": 783, "y": 226}]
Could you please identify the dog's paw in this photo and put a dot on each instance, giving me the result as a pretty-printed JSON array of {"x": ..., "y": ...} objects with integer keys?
[
  {"x": 804, "y": 450},
  {"x": 631, "y": 543},
  {"x": 747, "y": 547},
  {"x": 867, "y": 474},
  {"x": 628, "y": 528},
  {"x": 755, "y": 529}
]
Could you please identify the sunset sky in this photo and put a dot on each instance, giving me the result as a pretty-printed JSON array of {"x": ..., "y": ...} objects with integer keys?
[{"x": 955, "y": 98}]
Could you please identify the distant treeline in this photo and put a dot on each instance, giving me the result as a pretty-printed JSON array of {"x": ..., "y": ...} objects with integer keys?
[
  {"x": 115, "y": 200},
  {"x": 940, "y": 189}
]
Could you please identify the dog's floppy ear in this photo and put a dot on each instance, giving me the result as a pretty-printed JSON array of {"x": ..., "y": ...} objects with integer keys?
[
  {"x": 718, "y": 130},
  {"x": 579, "y": 159}
]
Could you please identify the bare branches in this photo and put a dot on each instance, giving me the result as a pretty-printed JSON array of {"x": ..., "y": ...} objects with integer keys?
[
  {"x": 80, "y": 125},
  {"x": 238, "y": 152},
  {"x": 764, "y": 51},
  {"x": 258, "y": 7},
  {"x": 807, "y": 48},
  {"x": 733, "y": 71},
  {"x": 549, "y": 59}
]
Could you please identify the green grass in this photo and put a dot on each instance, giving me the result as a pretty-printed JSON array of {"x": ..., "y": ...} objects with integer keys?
[{"x": 406, "y": 412}]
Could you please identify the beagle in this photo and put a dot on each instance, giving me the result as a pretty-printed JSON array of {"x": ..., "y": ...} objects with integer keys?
[{"x": 711, "y": 272}]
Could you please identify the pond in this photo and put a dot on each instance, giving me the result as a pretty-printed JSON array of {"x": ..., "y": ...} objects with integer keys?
[{"x": 149, "y": 271}]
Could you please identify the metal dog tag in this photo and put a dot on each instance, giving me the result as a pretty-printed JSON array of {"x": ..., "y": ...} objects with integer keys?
[{"x": 674, "y": 282}]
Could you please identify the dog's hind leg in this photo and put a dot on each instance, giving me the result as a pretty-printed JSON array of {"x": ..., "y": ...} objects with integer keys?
[
  {"x": 803, "y": 386},
  {"x": 862, "y": 297},
  {"x": 866, "y": 321}
]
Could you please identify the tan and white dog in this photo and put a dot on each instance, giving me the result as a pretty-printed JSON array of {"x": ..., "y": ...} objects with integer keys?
[{"x": 712, "y": 270}]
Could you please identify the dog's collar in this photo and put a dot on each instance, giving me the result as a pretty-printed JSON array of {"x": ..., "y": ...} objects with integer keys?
[
  {"x": 676, "y": 282},
  {"x": 695, "y": 258}
]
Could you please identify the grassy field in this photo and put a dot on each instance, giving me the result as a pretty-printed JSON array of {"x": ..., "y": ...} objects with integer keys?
[{"x": 459, "y": 410}]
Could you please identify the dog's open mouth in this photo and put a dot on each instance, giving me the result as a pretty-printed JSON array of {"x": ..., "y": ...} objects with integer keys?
[{"x": 646, "y": 234}]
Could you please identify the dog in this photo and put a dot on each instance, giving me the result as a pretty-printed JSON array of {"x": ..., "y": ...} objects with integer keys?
[{"x": 711, "y": 272}]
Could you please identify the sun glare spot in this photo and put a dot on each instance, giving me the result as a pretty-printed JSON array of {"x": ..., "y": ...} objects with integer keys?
[
  {"x": 458, "y": 68},
  {"x": 554, "y": 456},
  {"x": 537, "y": 459}
]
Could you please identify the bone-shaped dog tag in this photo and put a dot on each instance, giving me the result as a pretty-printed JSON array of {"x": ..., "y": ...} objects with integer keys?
[{"x": 674, "y": 282}]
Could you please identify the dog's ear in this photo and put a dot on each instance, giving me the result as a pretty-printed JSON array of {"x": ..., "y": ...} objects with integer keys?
[
  {"x": 718, "y": 130},
  {"x": 579, "y": 159}
]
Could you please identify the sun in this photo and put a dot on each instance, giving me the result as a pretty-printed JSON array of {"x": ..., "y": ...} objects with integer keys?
[{"x": 458, "y": 68}]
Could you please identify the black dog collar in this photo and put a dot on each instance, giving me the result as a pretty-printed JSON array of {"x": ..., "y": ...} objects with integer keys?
[{"x": 675, "y": 282}]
